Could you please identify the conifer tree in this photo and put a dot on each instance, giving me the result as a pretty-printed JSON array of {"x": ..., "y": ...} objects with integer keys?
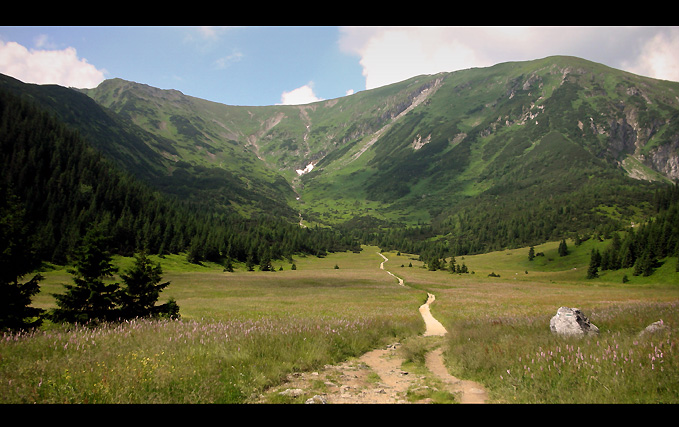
[
  {"x": 644, "y": 264},
  {"x": 594, "y": 263},
  {"x": 228, "y": 264},
  {"x": 563, "y": 248},
  {"x": 142, "y": 288},
  {"x": 90, "y": 298},
  {"x": 17, "y": 258},
  {"x": 265, "y": 263}
]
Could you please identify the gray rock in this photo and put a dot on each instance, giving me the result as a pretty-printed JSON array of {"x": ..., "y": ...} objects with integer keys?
[
  {"x": 294, "y": 392},
  {"x": 317, "y": 399},
  {"x": 653, "y": 327},
  {"x": 571, "y": 322}
]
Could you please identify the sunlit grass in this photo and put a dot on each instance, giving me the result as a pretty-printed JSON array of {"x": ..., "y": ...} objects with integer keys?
[
  {"x": 521, "y": 361},
  {"x": 499, "y": 335},
  {"x": 243, "y": 332},
  {"x": 239, "y": 334},
  {"x": 151, "y": 361}
]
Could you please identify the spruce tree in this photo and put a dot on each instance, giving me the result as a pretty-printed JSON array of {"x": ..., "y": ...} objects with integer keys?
[
  {"x": 17, "y": 258},
  {"x": 645, "y": 264},
  {"x": 594, "y": 263},
  {"x": 91, "y": 297},
  {"x": 563, "y": 248},
  {"x": 142, "y": 288}
]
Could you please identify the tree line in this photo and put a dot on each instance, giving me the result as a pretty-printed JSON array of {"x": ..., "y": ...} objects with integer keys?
[
  {"x": 643, "y": 245},
  {"x": 55, "y": 189},
  {"x": 67, "y": 186},
  {"x": 92, "y": 297}
]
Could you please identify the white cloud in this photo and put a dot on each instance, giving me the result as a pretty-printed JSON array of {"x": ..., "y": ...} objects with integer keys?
[
  {"x": 62, "y": 67},
  {"x": 392, "y": 54},
  {"x": 208, "y": 32},
  {"x": 389, "y": 55},
  {"x": 226, "y": 61},
  {"x": 301, "y": 95},
  {"x": 659, "y": 57}
]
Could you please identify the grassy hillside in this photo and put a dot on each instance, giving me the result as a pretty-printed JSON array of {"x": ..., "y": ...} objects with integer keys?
[
  {"x": 433, "y": 148},
  {"x": 476, "y": 135},
  {"x": 504, "y": 156}
]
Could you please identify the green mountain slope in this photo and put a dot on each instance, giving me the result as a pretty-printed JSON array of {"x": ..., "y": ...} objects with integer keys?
[
  {"x": 482, "y": 158},
  {"x": 168, "y": 161},
  {"x": 478, "y": 132},
  {"x": 434, "y": 149}
]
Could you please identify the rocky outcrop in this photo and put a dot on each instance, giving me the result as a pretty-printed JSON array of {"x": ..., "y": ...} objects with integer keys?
[
  {"x": 571, "y": 322},
  {"x": 665, "y": 159}
]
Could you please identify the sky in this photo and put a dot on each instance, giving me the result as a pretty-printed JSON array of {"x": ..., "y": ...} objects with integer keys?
[{"x": 269, "y": 65}]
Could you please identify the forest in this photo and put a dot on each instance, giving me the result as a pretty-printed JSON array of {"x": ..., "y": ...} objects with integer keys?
[
  {"x": 643, "y": 245},
  {"x": 56, "y": 191},
  {"x": 61, "y": 201}
]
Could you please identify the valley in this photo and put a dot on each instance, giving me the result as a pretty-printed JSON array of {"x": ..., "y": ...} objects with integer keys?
[
  {"x": 300, "y": 242},
  {"x": 273, "y": 353}
]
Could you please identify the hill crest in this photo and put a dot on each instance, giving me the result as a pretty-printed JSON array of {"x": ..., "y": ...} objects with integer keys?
[{"x": 429, "y": 150}]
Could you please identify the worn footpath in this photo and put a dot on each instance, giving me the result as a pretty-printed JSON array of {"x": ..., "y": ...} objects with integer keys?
[{"x": 377, "y": 377}]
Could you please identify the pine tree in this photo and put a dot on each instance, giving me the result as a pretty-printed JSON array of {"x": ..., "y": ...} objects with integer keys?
[
  {"x": 451, "y": 266},
  {"x": 228, "y": 264},
  {"x": 91, "y": 298},
  {"x": 644, "y": 264},
  {"x": 531, "y": 254},
  {"x": 265, "y": 263},
  {"x": 563, "y": 248},
  {"x": 594, "y": 263},
  {"x": 250, "y": 263},
  {"x": 142, "y": 288},
  {"x": 17, "y": 258}
]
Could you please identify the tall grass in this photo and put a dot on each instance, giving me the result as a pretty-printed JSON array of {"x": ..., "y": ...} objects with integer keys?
[
  {"x": 243, "y": 332},
  {"x": 162, "y": 361},
  {"x": 239, "y": 334},
  {"x": 499, "y": 335},
  {"x": 522, "y": 361}
]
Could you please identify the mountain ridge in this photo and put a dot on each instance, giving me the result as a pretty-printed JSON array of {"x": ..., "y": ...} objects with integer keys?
[{"x": 430, "y": 150}]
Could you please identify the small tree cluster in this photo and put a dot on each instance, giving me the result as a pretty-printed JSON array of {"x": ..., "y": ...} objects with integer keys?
[{"x": 94, "y": 297}]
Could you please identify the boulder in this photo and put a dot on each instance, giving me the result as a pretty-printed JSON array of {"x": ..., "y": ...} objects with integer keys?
[
  {"x": 653, "y": 327},
  {"x": 571, "y": 322},
  {"x": 317, "y": 399}
]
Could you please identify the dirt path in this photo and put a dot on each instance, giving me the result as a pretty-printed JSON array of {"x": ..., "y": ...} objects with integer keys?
[
  {"x": 377, "y": 377},
  {"x": 468, "y": 391},
  {"x": 433, "y": 326}
]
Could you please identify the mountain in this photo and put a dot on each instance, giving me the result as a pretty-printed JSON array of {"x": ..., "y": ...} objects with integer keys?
[
  {"x": 181, "y": 165},
  {"x": 474, "y": 160},
  {"x": 55, "y": 187}
]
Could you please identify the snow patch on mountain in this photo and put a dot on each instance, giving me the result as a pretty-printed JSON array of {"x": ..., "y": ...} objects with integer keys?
[{"x": 307, "y": 169}]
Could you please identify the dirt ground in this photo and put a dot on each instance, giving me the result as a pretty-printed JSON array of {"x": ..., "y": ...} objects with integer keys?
[{"x": 378, "y": 377}]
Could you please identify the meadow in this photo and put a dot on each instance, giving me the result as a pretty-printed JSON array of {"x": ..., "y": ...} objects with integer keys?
[
  {"x": 499, "y": 335},
  {"x": 243, "y": 332},
  {"x": 239, "y": 333}
]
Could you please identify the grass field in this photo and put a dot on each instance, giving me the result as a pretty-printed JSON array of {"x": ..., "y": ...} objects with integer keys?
[
  {"x": 499, "y": 327},
  {"x": 242, "y": 332}
]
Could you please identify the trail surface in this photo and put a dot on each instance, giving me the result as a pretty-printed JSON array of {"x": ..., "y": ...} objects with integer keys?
[
  {"x": 377, "y": 376},
  {"x": 433, "y": 326}
]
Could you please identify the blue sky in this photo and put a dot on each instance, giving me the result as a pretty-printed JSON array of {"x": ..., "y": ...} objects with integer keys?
[{"x": 273, "y": 65}]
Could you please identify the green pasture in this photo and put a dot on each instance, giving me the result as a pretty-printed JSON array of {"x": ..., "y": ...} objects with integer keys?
[
  {"x": 243, "y": 332},
  {"x": 499, "y": 335}
]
